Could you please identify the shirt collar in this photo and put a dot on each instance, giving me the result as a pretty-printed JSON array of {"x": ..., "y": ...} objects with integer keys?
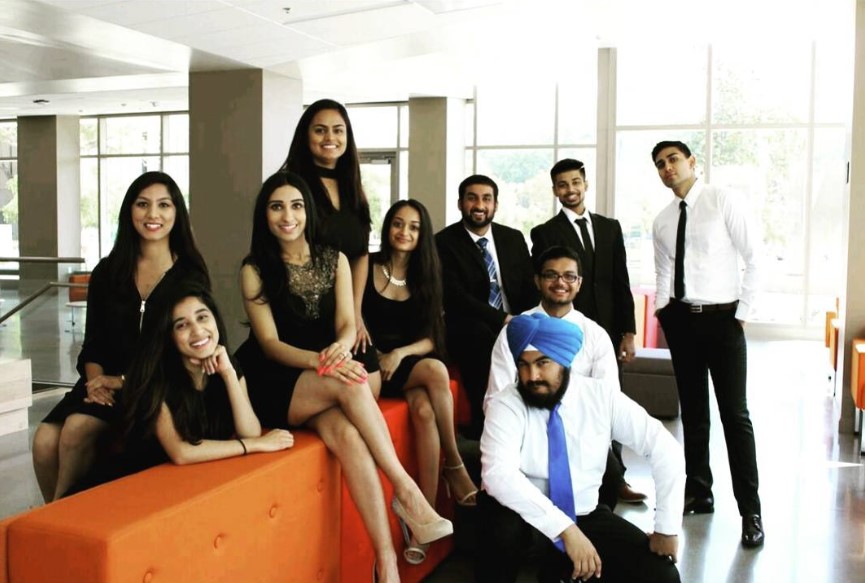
[
  {"x": 693, "y": 195},
  {"x": 572, "y": 216},
  {"x": 475, "y": 238}
]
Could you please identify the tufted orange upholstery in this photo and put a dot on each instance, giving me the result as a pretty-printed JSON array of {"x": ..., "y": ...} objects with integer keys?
[{"x": 284, "y": 516}]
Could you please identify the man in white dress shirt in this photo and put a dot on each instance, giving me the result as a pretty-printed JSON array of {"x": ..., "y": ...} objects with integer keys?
[
  {"x": 515, "y": 503},
  {"x": 702, "y": 305},
  {"x": 558, "y": 278}
]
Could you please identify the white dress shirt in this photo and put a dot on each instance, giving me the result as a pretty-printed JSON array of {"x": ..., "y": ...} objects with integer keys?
[
  {"x": 572, "y": 217},
  {"x": 719, "y": 231},
  {"x": 514, "y": 453},
  {"x": 595, "y": 359},
  {"x": 491, "y": 249}
]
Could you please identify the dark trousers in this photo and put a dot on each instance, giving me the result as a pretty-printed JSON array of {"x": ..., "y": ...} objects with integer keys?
[
  {"x": 470, "y": 348},
  {"x": 713, "y": 343},
  {"x": 505, "y": 540}
]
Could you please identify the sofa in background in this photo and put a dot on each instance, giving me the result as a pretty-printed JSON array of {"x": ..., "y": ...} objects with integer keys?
[{"x": 649, "y": 380}]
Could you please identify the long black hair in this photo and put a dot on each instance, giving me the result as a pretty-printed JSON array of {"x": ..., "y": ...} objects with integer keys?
[
  {"x": 265, "y": 254},
  {"x": 123, "y": 258},
  {"x": 157, "y": 375},
  {"x": 300, "y": 161},
  {"x": 424, "y": 270}
]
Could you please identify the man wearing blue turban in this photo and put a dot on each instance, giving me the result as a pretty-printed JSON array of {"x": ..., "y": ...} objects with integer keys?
[{"x": 543, "y": 453}]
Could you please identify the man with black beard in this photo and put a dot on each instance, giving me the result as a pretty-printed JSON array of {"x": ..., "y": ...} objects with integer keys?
[
  {"x": 543, "y": 453},
  {"x": 486, "y": 277}
]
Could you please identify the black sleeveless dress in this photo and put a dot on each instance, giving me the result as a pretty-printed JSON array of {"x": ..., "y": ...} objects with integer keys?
[{"x": 306, "y": 320}]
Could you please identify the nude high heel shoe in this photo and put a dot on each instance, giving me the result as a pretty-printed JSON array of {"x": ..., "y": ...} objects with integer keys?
[
  {"x": 469, "y": 499},
  {"x": 423, "y": 533}
]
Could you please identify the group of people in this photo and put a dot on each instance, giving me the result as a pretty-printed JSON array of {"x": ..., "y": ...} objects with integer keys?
[{"x": 332, "y": 327}]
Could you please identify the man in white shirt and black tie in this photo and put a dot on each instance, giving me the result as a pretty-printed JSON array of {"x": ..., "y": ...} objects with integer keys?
[
  {"x": 543, "y": 453},
  {"x": 702, "y": 304}
]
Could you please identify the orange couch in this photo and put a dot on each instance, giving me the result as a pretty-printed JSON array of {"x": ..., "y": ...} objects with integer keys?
[{"x": 284, "y": 516}]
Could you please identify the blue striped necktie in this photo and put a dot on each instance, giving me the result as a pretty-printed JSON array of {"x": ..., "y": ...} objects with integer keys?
[
  {"x": 495, "y": 299},
  {"x": 561, "y": 488}
]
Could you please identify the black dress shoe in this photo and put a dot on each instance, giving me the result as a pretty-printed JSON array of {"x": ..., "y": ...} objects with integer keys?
[
  {"x": 699, "y": 505},
  {"x": 752, "y": 531}
]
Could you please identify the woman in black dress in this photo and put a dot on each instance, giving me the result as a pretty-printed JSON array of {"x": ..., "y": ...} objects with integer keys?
[
  {"x": 403, "y": 310},
  {"x": 300, "y": 369},
  {"x": 154, "y": 248},
  {"x": 324, "y": 154}
]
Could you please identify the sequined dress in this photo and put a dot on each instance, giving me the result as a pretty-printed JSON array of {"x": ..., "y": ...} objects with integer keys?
[{"x": 306, "y": 320}]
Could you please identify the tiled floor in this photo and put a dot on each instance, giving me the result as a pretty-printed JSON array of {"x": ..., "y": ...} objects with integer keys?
[{"x": 812, "y": 479}]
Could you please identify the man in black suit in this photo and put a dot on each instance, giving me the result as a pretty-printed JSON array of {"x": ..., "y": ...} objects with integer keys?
[
  {"x": 605, "y": 295},
  {"x": 487, "y": 277}
]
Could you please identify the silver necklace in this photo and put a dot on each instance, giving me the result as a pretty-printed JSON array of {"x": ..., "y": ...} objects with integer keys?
[{"x": 392, "y": 279}]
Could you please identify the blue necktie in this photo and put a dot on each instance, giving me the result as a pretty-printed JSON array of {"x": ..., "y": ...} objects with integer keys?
[
  {"x": 561, "y": 489},
  {"x": 495, "y": 298}
]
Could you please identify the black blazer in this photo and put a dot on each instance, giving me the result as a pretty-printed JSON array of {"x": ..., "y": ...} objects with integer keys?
[
  {"x": 465, "y": 281},
  {"x": 613, "y": 307}
]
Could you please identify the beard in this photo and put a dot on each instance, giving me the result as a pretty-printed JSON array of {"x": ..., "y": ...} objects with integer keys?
[
  {"x": 548, "y": 400},
  {"x": 469, "y": 219}
]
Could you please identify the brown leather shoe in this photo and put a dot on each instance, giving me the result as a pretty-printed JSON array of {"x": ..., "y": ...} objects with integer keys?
[{"x": 630, "y": 496}]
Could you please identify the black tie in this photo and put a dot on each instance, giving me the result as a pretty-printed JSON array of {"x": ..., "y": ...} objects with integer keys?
[
  {"x": 679, "y": 277},
  {"x": 587, "y": 246}
]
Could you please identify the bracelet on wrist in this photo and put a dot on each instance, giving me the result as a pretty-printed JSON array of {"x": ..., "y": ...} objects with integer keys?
[{"x": 243, "y": 445}]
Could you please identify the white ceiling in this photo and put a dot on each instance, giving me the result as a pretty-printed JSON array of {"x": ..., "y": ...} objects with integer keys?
[{"x": 109, "y": 56}]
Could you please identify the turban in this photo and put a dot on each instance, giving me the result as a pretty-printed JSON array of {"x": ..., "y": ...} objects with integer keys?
[{"x": 553, "y": 337}]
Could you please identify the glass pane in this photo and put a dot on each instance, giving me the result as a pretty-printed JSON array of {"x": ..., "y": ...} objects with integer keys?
[
  {"x": 403, "y": 126},
  {"x": 9, "y": 212},
  {"x": 833, "y": 86},
  {"x": 403, "y": 175},
  {"x": 90, "y": 212},
  {"x": 578, "y": 106},
  {"x": 89, "y": 132},
  {"x": 115, "y": 177},
  {"x": 827, "y": 216},
  {"x": 178, "y": 168},
  {"x": 9, "y": 139},
  {"x": 470, "y": 124},
  {"x": 523, "y": 178},
  {"x": 640, "y": 195},
  {"x": 644, "y": 95},
  {"x": 515, "y": 114},
  {"x": 131, "y": 135},
  {"x": 771, "y": 167},
  {"x": 587, "y": 157},
  {"x": 374, "y": 127},
  {"x": 769, "y": 85},
  {"x": 376, "y": 179},
  {"x": 176, "y": 139}
]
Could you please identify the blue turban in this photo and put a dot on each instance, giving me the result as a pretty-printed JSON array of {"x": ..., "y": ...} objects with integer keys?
[{"x": 553, "y": 337}]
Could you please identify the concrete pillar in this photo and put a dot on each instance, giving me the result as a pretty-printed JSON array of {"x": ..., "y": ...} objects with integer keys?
[
  {"x": 240, "y": 123},
  {"x": 853, "y": 306},
  {"x": 436, "y": 155},
  {"x": 49, "y": 195}
]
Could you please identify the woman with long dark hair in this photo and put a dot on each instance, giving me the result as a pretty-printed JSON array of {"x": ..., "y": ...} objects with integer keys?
[
  {"x": 153, "y": 249},
  {"x": 301, "y": 371},
  {"x": 324, "y": 154},
  {"x": 403, "y": 310}
]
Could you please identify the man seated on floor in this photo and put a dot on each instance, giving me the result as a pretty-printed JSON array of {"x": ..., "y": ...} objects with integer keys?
[
  {"x": 543, "y": 452},
  {"x": 558, "y": 277}
]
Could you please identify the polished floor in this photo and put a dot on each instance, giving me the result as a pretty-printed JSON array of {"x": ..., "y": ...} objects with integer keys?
[{"x": 812, "y": 479}]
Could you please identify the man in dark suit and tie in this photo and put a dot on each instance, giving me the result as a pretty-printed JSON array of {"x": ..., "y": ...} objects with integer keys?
[
  {"x": 605, "y": 295},
  {"x": 487, "y": 277}
]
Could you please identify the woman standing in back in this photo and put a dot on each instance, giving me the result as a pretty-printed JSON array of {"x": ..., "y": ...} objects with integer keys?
[
  {"x": 153, "y": 249},
  {"x": 324, "y": 154}
]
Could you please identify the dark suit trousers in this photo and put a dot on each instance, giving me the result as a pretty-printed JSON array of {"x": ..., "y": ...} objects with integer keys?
[
  {"x": 713, "y": 342},
  {"x": 470, "y": 347},
  {"x": 506, "y": 539}
]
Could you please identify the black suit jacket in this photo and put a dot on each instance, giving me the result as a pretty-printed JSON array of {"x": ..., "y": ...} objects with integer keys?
[
  {"x": 465, "y": 281},
  {"x": 613, "y": 306}
]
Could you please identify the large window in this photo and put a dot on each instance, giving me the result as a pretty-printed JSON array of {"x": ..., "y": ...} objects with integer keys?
[
  {"x": 765, "y": 120},
  {"x": 515, "y": 132},
  {"x": 115, "y": 150},
  {"x": 8, "y": 192}
]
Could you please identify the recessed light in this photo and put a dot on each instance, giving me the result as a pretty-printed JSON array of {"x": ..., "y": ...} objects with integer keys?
[
  {"x": 41, "y": 101},
  {"x": 286, "y": 9}
]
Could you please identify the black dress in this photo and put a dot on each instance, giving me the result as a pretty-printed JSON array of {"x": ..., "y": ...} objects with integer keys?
[
  {"x": 344, "y": 230},
  {"x": 305, "y": 320},
  {"x": 140, "y": 452},
  {"x": 114, "y": 322},
  {"x": 391, "y": 324}
]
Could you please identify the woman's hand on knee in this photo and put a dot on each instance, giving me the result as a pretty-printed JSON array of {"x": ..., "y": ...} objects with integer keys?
[
  {"x": 332, "y": 356},
  {"x": 388, "y": 363},
  {"x": 100, "y": 389},
  {"x": 348, "y": 371}
]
